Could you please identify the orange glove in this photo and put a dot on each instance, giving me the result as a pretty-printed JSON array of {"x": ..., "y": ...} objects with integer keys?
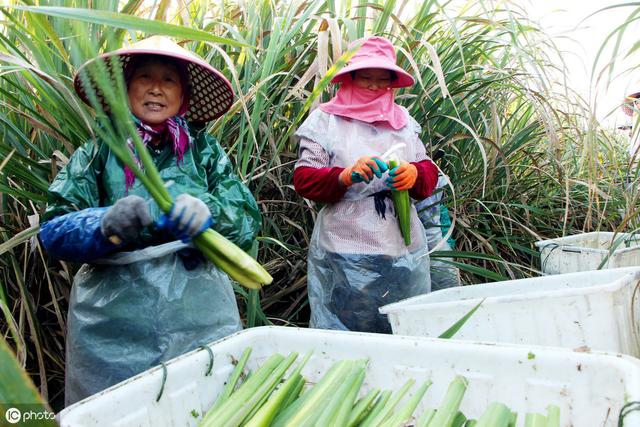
[
  {"x": 363, "y": 170},
  {"x": 402, "y": 177}
]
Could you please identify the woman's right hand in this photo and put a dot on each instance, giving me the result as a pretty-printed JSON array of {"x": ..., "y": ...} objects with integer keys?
[
  {"x": 124, "y": 220},
  {"x": 363, "y": 170},
  {"x": 189, "y": 217}
]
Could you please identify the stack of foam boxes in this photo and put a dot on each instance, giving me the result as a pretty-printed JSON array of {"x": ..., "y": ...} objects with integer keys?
[{"x": 587, "y": 303}]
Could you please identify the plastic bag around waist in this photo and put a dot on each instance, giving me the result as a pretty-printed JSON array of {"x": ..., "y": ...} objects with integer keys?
[
  {"x": 134, "y": 310},
  {"x": 145, "y": 254},
  {"x": 346, "y": 290}
]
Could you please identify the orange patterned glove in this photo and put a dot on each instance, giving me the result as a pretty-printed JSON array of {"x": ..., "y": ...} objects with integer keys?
[
  {"x": 363, "y": 170},
  {"x": 402, "y": 177}
]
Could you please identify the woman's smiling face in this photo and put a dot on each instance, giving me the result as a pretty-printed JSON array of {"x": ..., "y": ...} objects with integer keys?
[{"x": 155, "y": 92}]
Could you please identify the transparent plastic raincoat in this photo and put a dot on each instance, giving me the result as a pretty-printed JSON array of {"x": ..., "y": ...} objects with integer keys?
[
  {"x": 357, "y": 259},
  {"x": 430, "y": 210},
  {"x": 134, "y": 307}
]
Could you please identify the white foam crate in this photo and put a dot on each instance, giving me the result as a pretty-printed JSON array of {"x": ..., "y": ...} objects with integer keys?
[
  {"x": 590, "y": 389},
  {"x": 597, "y": 309},
  {"x": 585, "y": 252}
]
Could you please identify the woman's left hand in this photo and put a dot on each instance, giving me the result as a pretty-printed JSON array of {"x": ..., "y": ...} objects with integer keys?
[
  {"x": 402, "y": 177},
  {"x": 188, "y": 218}
]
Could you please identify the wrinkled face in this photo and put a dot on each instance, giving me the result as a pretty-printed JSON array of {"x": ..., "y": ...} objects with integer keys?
[
  {"x": 372, "y": 78},
  {"x": 155, "y": 92}
]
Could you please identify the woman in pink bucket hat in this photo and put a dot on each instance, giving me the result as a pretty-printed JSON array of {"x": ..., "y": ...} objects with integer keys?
[
  {"x": 144, "y": 295},
  {"x": 358, "y": 260}
]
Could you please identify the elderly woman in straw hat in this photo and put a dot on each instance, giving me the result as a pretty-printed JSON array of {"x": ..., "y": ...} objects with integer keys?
[
  {"x": 358, "y": 260},
  {"x": 143, "y": 296}
]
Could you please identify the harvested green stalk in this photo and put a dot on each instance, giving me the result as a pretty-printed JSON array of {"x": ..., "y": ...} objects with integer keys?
[
  {"x": 314, "y": 407},
  {"x": 496, "y": 415},
  {"x": 260, "y": 395},
  {"x": 226, "y": 255},
  {"x": 402, "y": 206},
  {"x": 343, "y": 414},
  {"x": 389, "y": 407},
  {"x": 305, "y": 409},
  {"x": 405, "y": 413},
  {"x": 377, "y": 407},
  {"x": 362, "y": 408},
  {"x": 297, "y": 391},
  {"x": 425, "y": 418},
  {"x": 233, "y": 380},
  {"x": 459, "y": 421},
  {"x": 225, "y": 411},
  {"x": 336, "y": 411},
  {"x": 514, "y": 419},
  {"x": 268, "y": 411},
  {"x": 535, "y": 420},
  {"x": 451, "y": 403},
  {"x": 553, "y": 416}
]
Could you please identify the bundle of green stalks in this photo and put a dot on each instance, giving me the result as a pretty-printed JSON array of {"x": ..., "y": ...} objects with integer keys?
[
  {"x": 267, "y": 398},
  {"x": 402, "y": 206}
]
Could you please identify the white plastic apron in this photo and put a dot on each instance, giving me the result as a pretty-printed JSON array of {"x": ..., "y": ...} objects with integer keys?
[{"x": 358, "y": 261}]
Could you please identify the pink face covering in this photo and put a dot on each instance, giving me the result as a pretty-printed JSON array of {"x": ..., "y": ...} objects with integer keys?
[{"x": 366, "y": 105}]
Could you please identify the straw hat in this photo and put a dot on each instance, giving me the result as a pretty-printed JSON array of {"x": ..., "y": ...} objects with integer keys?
[
  {"x": 374, "y": 52},
  {"x": 628, "y": 103},
  {"x": 211, "y": 95}
]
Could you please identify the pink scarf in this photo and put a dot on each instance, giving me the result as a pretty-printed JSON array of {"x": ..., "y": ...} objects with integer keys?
[
  {"x": 366, "y": 105},
  {"x": 175, "y": 130}
]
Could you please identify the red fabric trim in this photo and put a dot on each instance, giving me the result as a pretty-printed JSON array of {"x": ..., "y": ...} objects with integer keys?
[
  {"x": 427, "y": 180},
  {"x": 319, "y": 184},
  {"x": 322, "y": 185}
]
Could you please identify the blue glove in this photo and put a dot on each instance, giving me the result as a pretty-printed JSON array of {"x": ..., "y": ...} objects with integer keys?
[
  {"x": 188, "y": 218},
  {"x": 363, "y": 170},
  {"x": 378, "y": 167}
]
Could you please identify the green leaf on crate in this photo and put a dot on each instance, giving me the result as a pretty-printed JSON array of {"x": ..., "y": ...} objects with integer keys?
[{"x": 449, "y": 333}]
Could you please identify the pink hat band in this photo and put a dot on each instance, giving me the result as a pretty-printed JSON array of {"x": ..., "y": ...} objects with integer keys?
[{"x": 374, "y": 52}]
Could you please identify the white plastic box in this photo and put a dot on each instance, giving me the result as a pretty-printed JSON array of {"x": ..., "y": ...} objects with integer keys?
[
  {"x": 597, "y": 309},
  {"x": 585, "y": 252},
  {"x": 590, "y": 389}
]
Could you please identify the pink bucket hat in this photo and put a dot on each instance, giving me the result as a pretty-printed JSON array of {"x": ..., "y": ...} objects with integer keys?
[
  {"x": 374, "y": 52},
  {"x": 210, "y": 92}
]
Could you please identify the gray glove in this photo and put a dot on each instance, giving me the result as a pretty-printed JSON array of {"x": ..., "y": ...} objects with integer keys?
[
  {"x": 189, "y": 217},
  {"x": 124, "y": 220}
]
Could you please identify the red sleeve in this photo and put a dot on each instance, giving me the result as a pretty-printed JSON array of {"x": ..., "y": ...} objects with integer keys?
[
  {"x": 427, "y": 180},
  {"x": 319, "y": 184}
]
